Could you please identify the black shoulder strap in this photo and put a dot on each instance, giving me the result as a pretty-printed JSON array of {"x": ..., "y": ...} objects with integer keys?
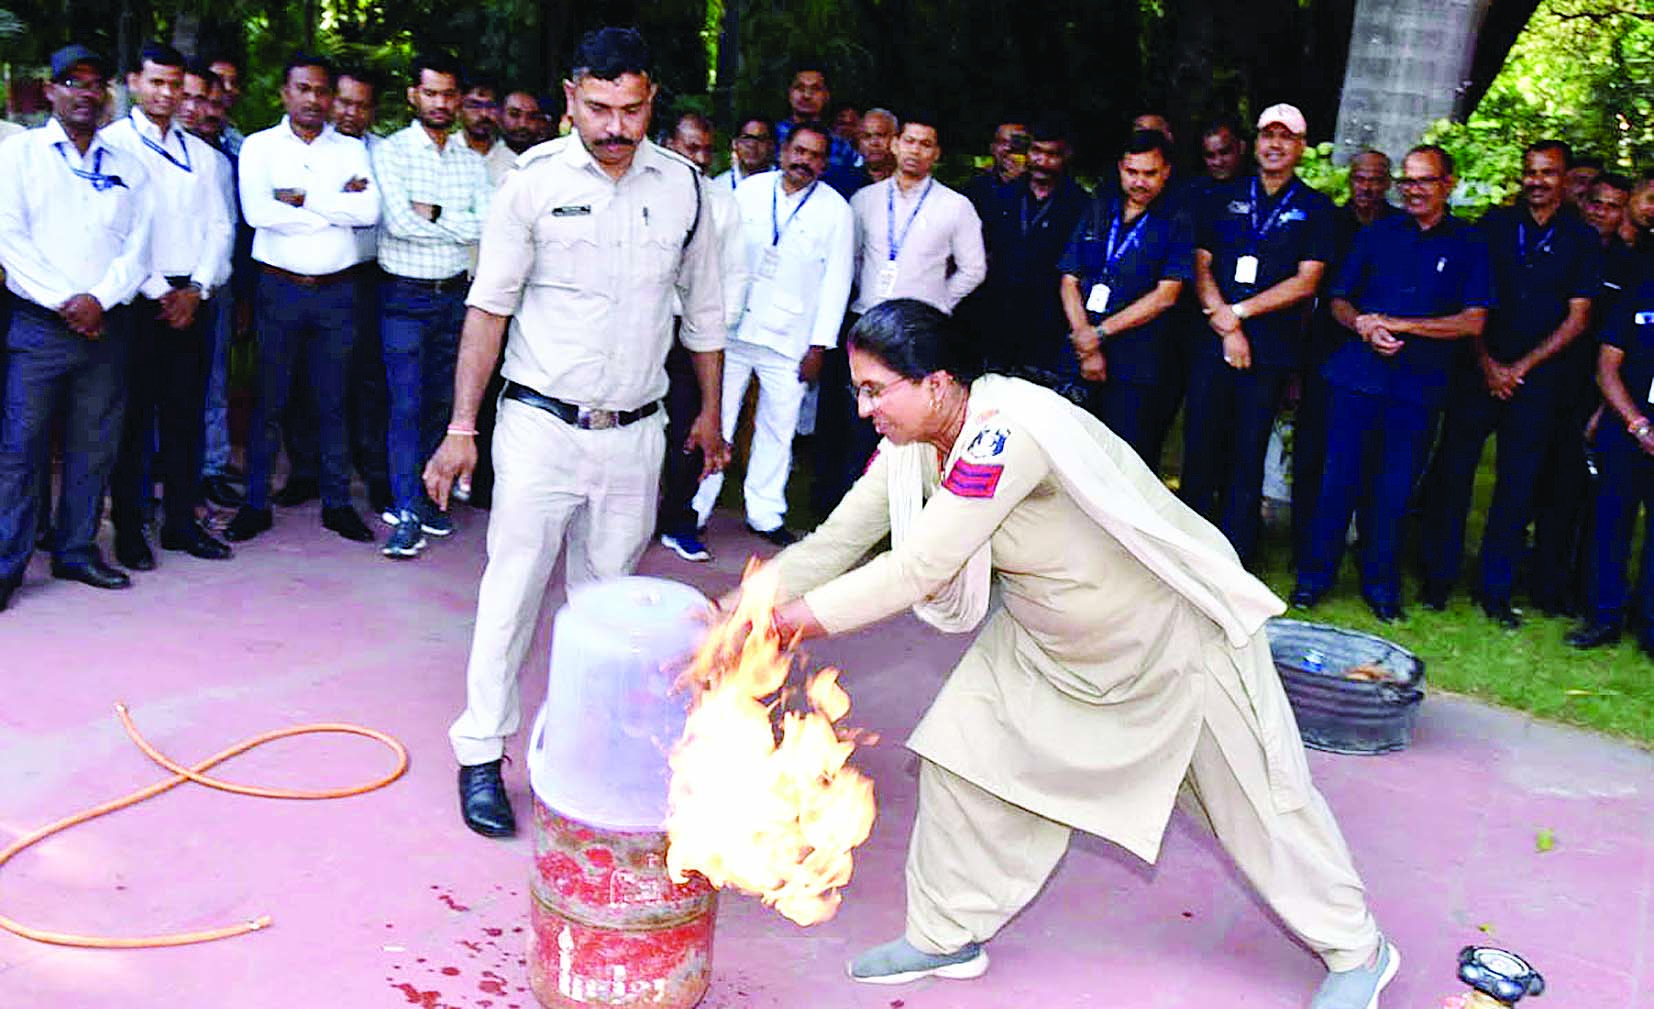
[{"x": 695, "y": 183}]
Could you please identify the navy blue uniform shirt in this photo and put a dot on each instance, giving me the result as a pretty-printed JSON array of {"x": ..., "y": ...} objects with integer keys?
[
  {"x": 1158, "y": 245},
  {"x": 1630, "y": 327},
  {"x": 1018, "y": 307},
  {"x": 1297, "y": 226},
  {"x": 1396, "y": 269},
  {"x": 1535, "y": 272}
]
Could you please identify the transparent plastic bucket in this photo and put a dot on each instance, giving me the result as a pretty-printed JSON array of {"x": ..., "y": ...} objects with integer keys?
[{"x": 598, "y": 748}]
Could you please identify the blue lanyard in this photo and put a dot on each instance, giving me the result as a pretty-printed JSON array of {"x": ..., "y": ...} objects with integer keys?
[
  {"x": 1522, "y": 240},
  {"x": 99, "y": 181},
  {"x": 1112, "y": 254},
  {"x": 162, "y": 151},
  {"x": 895, "y": 243},
  {"x": 1261, "y": 233},
  {"x": 778, "y": 229}
]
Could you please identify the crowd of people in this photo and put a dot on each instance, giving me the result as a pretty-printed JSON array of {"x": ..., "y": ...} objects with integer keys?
[{"x": 138, "y": 250}]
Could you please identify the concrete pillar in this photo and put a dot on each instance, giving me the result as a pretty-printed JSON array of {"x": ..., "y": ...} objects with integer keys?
[{"x": 1409, "y": 66}]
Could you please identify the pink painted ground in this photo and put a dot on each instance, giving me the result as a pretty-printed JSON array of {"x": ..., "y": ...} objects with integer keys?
[{"x": 386, "y": 900}]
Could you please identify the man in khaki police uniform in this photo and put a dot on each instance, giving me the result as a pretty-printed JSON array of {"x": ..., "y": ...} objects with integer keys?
[{"x": 584, "y": 246}]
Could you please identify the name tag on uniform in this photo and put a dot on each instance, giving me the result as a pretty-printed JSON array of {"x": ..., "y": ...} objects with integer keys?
[
  {"x": 1651, "y": 392},
  {"x": 578, "y": 210},
  {"x": 886, "y": 284},
  {"x": 1098, "y": 302},
  {"x": 769, "y": 263},
  {"x": 1246, "y": 270}
]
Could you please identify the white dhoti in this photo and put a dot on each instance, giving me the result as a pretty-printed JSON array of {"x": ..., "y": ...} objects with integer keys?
[{"x": 551, "y": 480}]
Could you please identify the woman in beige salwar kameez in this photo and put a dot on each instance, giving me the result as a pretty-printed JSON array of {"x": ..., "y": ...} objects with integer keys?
[{"x": 1122, "y": 655}]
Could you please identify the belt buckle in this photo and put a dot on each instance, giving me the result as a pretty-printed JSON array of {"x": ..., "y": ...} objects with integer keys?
[{"x": 596, "y": 420}]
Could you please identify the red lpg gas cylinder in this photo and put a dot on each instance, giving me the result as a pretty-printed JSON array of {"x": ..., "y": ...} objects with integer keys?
[{"x": 608, "y": 925}]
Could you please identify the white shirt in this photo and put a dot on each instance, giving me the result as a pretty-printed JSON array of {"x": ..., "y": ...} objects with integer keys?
[
  {"x": 314, "y": 239},
  {"x": 946, "y": 229},
  {"x": 192, "y": 232},
  {"x": 409, "y": 168},
  {"x": 587, "y": 266},
  {"x": 61, "y": 235},
  {"x": 732, "y": 179},
  {"x": 800, "y": 284}
]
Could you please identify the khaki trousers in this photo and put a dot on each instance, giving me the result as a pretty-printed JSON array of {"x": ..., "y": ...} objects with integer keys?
[
  {"x": 551, "y": 481},
  {"x": 975, "y": 859}
]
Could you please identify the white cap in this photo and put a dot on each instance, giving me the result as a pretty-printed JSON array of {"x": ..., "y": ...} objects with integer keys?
[{"x": 1286, "y": 115}]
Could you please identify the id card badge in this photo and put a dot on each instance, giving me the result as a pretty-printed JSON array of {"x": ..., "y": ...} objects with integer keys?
[
  {"x": 886, "y": 284},
  {"x": 1246, "y": 270},
  {"x": 1098, "y": 302},
  {"x": 770, "y": 262},
  {"x": 1651, "y": 392}
]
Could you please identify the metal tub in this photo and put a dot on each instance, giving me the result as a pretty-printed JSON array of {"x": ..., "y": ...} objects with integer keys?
[{"x": 1338, "y": 714}]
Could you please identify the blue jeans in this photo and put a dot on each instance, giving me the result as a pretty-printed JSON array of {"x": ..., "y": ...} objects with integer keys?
[
  {"x": 318, "y": 326},
  {"x": 215, "y": 418},
  {"x": 1374, "y": 439},
  {"x": 46, "y": 364},
  {"x": 420, "y": 328}
]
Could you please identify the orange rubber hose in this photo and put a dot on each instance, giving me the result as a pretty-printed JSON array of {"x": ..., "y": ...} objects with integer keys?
[{"x": 181, "y": 774}]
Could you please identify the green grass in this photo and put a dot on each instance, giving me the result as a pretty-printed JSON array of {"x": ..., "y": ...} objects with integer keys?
[{"x": 1532, "y": 669}]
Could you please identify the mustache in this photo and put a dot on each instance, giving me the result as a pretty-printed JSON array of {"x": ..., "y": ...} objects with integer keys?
[
  {"x": 802, "y": 166},
  {"x": 617, "y": 142}
]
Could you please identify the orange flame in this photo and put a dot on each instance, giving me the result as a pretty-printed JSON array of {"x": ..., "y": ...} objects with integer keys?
[{"x": 776, "y": 819}]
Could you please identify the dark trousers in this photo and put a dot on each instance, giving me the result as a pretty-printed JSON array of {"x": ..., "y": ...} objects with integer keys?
[
  {"x": 1523, "y": 425},
  {"x": 1130, "y": 410},
  {"x": 681, "y": 473},
  {"x": 315, "y": 325},
  {"x": 1626, "y": 481},
  {"x": 1309, "y": 453},
  {"x": 1562, "y": 510},
  {"x": 419, "y": 328},
  {"x": 1182, "y": 334},
  {"x": 166, "y": 391},
  {"x": 367, "y": 408},
  {"x": 1376, "y": 447},
  {"x": 844, "y": 440},
  {"x": 46, "y": 363},
  {"x": 1227, "y": 421}
]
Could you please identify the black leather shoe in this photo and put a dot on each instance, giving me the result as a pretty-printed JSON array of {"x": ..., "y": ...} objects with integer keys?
[
  {"x": 482, "y": 800},
  {"x": 1304, "y": 599},
  {"x": 1433, "y": 595},
  {"x": 344, "y": 521},
  {"x": 296, "y": 492},
  {"x": 93, "y": 572},
  {"x": 220, "y": 491},
  {"x": 7, "y": 587},
  {"x": 1386, "y": 612},
  {"x": 780, "y": 536},
  {"x": 196, "y": 543},
  {"x": 1502, "y": 613},
  {"x": 248, "y": 522},
  {"x": 1593, "y": 635},
  {"x": 133, "y": 553}
]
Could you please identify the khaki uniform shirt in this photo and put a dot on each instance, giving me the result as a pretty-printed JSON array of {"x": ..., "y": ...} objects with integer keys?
[
  {"x": 1081, "y": 699},
  {"x": 587, "y": 266}
]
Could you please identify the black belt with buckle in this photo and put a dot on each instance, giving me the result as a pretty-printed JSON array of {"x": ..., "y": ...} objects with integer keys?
[
  {"x": 585, "y": 418},
  {"x": 459, "y": 283}
]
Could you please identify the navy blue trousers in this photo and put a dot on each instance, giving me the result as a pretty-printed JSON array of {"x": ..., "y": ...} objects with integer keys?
[
  {"x": 1523, "y": 425},
  {"x": 317, "y": 326},
  {"x": 1625, "y": 481},
  {"x": 1375, "y": 449},
  {"x": 47, "y": 363},
  {"x": 1226, "y": 425},
  {"x": 1131, "y": 411}
]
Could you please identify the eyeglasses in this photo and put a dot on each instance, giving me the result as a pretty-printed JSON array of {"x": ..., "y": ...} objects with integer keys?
[
  {"x": 480, "y": 103},
  {"x": 752, "y": 138},
  {"x": 873, "y": 391},
  {"x": 1422, "y": 180}
]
